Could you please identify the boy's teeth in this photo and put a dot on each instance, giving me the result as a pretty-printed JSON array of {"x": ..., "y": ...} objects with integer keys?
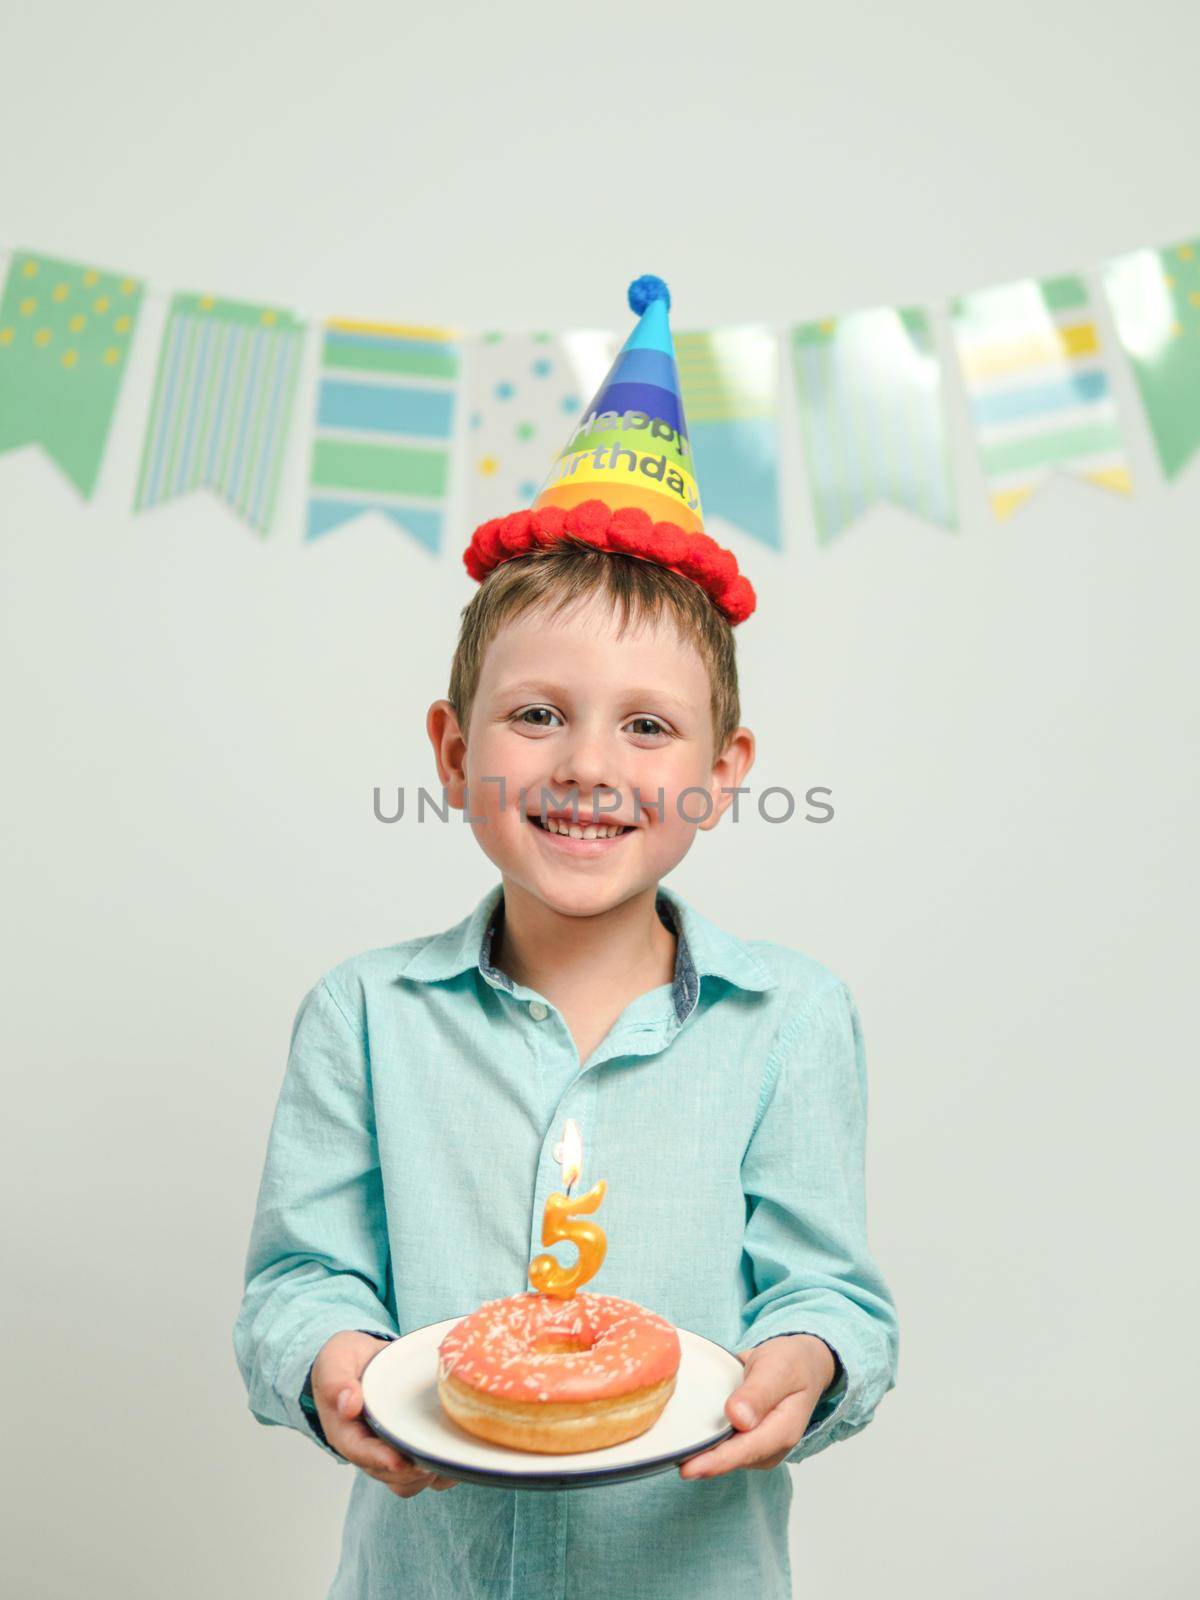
[{"x": 583, "y": 831}]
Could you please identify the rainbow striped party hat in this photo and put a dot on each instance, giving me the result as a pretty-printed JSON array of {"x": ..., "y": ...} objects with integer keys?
[{"x": 625, "y": 480}]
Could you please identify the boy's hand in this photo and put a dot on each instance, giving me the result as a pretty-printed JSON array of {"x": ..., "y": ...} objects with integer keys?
[
  {"x": 785, "y": 1377},
  {"x": 337, "y": 1390}
]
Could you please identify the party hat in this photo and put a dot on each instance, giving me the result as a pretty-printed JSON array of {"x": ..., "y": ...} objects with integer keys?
[{"x": 625, "y": 480}]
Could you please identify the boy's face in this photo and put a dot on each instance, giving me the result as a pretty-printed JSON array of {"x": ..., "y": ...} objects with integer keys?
[{"x": 601, "y": 724}]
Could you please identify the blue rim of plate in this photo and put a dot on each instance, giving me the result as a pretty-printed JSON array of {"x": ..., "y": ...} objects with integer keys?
[{"x": 526, "y": 1480}]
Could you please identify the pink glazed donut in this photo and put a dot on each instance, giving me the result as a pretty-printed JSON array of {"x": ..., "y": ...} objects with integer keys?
[{"x": 536, "y": 1372}]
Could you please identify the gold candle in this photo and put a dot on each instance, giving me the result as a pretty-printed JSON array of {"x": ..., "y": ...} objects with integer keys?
[{"x": 545, "y": 1273}]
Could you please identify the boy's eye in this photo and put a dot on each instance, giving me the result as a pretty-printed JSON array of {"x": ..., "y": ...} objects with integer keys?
[
  {"x": 534, "y": 711},
  {"x": 647, "y": 725},
  {"x": 533, "y": 717}
]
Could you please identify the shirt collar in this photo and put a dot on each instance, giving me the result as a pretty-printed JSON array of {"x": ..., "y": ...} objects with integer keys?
[{"x": 703, "y": 950}]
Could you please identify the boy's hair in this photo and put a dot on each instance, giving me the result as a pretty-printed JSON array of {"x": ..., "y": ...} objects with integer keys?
[{"x": 570, "y": 570}]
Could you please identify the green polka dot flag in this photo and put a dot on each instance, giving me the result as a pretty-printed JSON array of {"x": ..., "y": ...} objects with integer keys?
[
  {"x": 1155, "y": 300},
  {"x": 65, "y": 334}
]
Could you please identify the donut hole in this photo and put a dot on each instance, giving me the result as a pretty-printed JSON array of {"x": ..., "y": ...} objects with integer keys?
[{"x": 548, "y": 1345}]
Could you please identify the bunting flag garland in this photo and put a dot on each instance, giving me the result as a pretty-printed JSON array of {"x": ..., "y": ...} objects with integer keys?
[
  {"x": 871, "y": 414},
  {"x": 1155, "y": 301},
  {"x": 408, "y": 418},
  {"x": 222, "y": 406},
  {"x": 524, "y": 389},
  {"x": 729, "y": 380},
  {"x": 384, "y": 427},
  {"x": 1038, "y": 388},
  {"x": 65, "y": 333}
]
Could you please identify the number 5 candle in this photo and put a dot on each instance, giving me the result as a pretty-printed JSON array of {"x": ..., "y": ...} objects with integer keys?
[{"x": 545, "y": 1273}]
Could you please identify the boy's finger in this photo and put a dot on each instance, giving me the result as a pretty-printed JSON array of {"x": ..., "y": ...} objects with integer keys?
[
  {"x": 411, "y": 1478},
  {"x": 348, "y": 1400},
  {"x": 774, "y": 1433},
  {"x": 765, "y": 1385},
  {"x": 358, "y": 1444},
  {"x": 392, "y": 1466},
  {"x": 377, "y": 1457}
]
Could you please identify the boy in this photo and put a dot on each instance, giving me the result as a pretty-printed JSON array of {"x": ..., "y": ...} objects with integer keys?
[{"x": 719, "y": 1083}]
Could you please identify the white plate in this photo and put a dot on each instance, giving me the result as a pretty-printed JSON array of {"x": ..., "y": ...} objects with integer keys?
[{"x": 401, "y": 1405}]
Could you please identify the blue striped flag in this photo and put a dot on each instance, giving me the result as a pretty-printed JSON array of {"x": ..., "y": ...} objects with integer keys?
[
  {"x": 869, "y": 391},
  {"x": 729, "y": 379},
  {"x": 384, "y": 429},
  {"x": 222, "y": 404}
]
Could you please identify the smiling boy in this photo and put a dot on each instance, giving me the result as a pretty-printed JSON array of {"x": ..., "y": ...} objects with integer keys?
[
  {"x": 719, "y": 1082},
  {"x": 575, "y": 714}
]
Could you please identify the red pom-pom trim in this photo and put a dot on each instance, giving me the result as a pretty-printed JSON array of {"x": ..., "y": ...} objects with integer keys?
[
  {"x": 514, "y": 532},
  {"x": 589, "y": 520},
  {"x": 629, "y": 531},
  {"x": 549, "y": 524},
  {"x": 629, "y": 528},
  {"x": 487, "y": 553}
]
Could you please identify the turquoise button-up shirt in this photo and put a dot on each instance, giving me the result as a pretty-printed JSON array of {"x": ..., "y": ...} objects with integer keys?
[{"x": 407, "y": 1168}]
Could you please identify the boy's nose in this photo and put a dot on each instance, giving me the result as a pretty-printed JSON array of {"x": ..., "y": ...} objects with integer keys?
[{"x": 588, "y": 781}]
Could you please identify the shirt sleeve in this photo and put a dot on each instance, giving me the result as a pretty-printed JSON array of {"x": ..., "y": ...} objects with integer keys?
[
  {"x": 317, "y": 1262},
  {"x": 803, "y": 1174}
]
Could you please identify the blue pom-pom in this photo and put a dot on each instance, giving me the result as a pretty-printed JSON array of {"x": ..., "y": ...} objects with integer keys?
[{"x": 646, "y": 288}]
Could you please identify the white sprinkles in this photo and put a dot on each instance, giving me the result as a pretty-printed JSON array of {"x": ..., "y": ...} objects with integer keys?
[{"x": 628, "y": 1347}]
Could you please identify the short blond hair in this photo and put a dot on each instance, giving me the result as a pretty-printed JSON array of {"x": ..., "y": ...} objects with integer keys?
[{"x": 571, "y": 570}]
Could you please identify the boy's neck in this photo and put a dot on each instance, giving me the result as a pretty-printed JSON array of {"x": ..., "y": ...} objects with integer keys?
[{"x": 620, "y": 953}]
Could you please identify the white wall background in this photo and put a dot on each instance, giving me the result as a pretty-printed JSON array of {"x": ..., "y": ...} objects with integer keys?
[{"x": 195, "y": 719}]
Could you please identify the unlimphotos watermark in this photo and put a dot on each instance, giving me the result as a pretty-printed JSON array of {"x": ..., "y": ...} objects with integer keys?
[{"x": 776, "y": 803}]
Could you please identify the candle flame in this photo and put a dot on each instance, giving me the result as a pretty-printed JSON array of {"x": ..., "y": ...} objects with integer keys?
[{"x": 568, "y": 1152}]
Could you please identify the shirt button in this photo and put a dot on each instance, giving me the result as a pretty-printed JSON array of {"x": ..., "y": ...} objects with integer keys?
[{"x": 538, "y": 1011}]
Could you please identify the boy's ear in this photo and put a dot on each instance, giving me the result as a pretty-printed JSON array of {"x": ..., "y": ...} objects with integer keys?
[
  {"x": 729, "y": 770},
  {"x": 449, "y": 750}
]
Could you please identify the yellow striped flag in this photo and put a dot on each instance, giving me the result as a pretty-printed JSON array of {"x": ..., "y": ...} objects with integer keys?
[{"x": 1038, "y": 387}]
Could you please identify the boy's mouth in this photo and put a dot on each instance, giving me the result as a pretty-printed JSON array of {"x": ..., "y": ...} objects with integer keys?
[{"x": 580, "y": 832}]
